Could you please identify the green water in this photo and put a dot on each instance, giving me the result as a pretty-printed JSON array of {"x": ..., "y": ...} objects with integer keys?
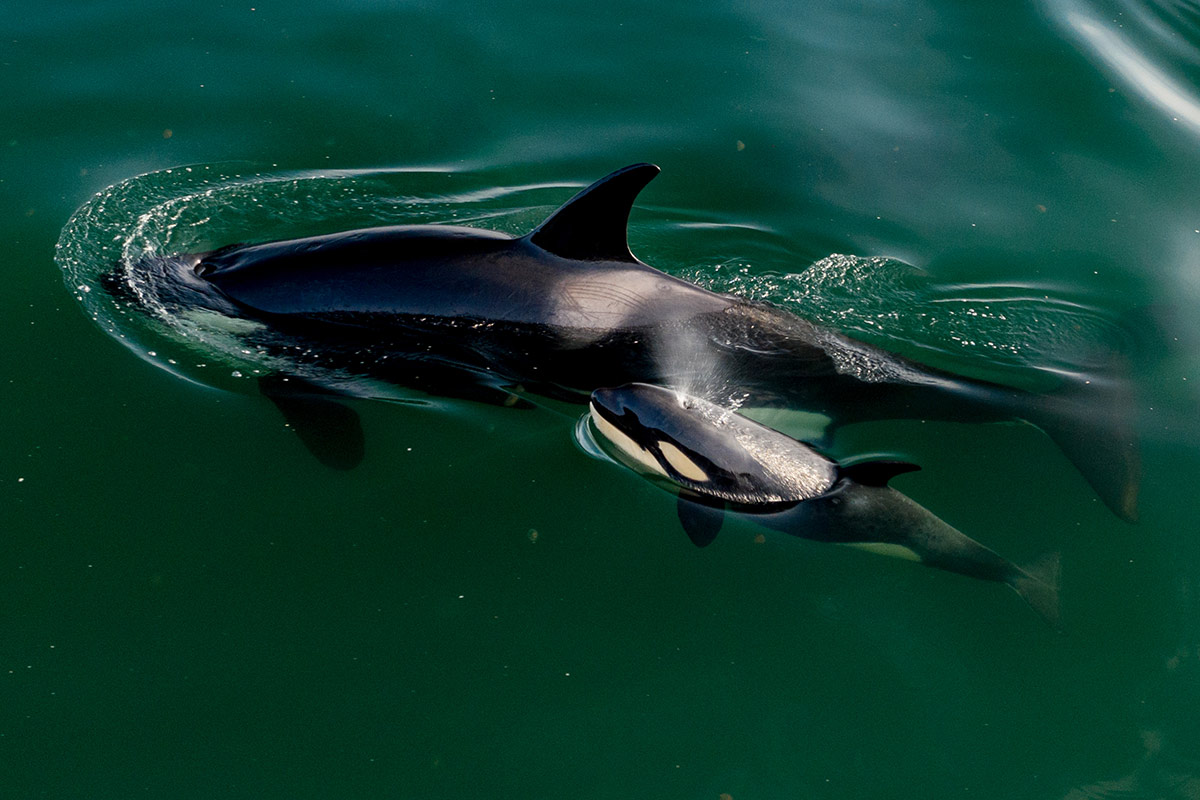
[{"x": 190, "y": 606}]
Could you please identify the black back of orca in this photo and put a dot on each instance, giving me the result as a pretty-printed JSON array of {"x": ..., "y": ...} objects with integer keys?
[{"x": 575, "y": 272}]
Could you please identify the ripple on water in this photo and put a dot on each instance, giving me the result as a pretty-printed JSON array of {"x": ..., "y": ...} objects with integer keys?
[
  {"x": 198, "y": 208},
  {"x": 1009, "y": 331}
]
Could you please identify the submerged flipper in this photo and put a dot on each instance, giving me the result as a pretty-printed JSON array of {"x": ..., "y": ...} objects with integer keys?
[
  {"x": 329, "y": 429},
  {"x": 591, "y": 225},
  {"x": 701, "y": 521}
]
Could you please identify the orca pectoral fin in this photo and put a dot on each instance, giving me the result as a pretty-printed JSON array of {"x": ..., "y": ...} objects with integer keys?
[
  {"x": 701, "y": 522},
  {"x": 329, "y": 429}
]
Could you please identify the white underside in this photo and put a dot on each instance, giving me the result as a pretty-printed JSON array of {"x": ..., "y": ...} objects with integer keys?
[{"x": 885, "y": 549}]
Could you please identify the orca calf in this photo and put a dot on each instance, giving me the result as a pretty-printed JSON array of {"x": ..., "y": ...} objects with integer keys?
[
  {"x": 473, "y": 313},
  {"x": 719, "y": 462}
]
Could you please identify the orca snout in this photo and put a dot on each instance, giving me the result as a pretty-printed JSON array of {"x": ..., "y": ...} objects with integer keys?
[
  {"x": 609, "y": 412},
  {"x": 607, "y": 399}
]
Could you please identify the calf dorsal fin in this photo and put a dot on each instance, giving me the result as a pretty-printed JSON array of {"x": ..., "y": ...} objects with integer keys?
[{"x": 878, "y": 472}]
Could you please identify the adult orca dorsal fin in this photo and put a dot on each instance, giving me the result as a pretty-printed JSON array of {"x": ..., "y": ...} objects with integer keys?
[
  {"x": 877, "y": 473},
  {"x": 591, "y": 226}
]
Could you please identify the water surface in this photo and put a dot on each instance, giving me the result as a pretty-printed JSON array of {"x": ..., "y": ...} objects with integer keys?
[{"x": 193, "y": 607}]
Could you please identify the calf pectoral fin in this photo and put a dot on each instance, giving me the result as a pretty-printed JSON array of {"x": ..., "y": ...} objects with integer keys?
[
  {"x": 701, "y": 521},
  {"x": 329, "y": 429}
]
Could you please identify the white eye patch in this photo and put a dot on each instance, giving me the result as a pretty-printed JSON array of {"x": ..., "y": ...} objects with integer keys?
[
  {"x": 681, "y": 463},
  {"x": 625, "y": 445}
]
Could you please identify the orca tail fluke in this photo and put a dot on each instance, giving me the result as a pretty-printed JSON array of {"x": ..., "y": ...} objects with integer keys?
[
  {"x": 1093, "y": 424},
  {"x": 1038, "y": 585}
]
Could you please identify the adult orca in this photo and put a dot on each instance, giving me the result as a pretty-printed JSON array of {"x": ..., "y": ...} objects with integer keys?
[
  {"x": 720, "y": 462},
  {"x": 568, "y": 308}
]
